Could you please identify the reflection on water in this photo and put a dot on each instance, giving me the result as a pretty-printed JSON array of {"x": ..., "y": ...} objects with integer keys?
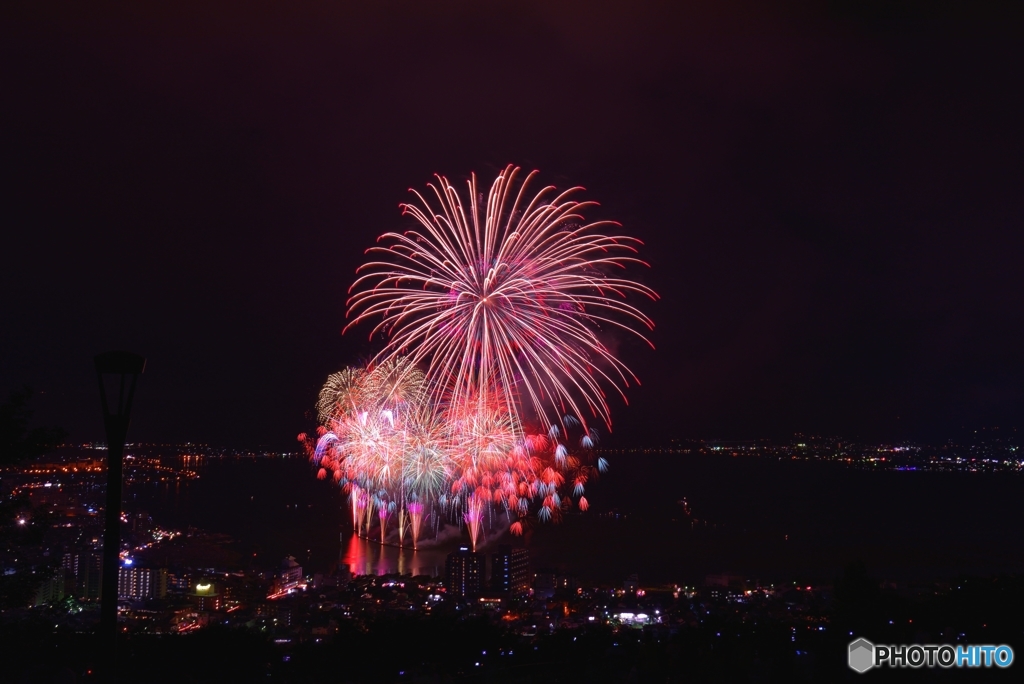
[
  {"x": 369, "y": 557},
  {"x": 276, "y": 508}
]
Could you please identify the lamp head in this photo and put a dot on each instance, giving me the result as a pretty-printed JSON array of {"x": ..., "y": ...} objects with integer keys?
[{"x": 120, "y": 363}]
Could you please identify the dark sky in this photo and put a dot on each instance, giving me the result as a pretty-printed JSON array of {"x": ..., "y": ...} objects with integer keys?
[{"x": 831, "y": 198}]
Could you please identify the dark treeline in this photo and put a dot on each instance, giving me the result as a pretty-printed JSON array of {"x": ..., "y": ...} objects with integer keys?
[{"x": 18, "y": 440}]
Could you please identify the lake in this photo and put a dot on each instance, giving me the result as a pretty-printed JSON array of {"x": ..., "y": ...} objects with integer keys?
[{"x": 765, "y": 519}]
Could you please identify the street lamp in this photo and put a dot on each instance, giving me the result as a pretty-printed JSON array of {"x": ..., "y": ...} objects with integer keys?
[{"x": 117, "y": 371}]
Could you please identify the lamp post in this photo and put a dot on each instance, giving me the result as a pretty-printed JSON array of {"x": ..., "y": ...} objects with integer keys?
[{"x": 117, "y": 371}]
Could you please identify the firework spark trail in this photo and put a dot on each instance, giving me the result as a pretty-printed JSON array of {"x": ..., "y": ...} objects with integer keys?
[
  {"x": 474, "y": 517},
  {"x": 512, "y": 298},
  {"x": 384, "y": 512},
  {"x": 353, "y": 496},
  {"x": 416, "y": 520},
  {"x": 403, "y": 525}
]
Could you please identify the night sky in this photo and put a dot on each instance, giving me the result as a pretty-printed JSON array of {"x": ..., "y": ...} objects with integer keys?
[{"x": 831, "y": 198}]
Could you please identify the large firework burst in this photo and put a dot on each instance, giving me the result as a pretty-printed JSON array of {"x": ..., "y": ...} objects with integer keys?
[{"x": 508, "y": 298}]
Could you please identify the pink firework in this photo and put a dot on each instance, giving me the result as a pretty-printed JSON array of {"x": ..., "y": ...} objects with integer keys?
[
  {"x": 512, "y": 294},
  {"x": 474, "y": 517},
  {"x": 416, "y": 520},
  {"x": 383, "y": 514},
  {"x": 354, "y": 498},
  {"x": 491, "y": 465}
]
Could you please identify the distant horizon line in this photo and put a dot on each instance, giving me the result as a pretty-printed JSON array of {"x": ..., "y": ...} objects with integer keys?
[{"x": 675, "y": 442}]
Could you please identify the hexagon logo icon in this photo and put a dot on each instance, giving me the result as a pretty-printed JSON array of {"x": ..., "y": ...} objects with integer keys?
[{"x": 862, "y": 655}]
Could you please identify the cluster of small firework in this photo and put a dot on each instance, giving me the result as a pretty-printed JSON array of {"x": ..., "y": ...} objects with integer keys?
[
  {"x": 404, "y": 460},
  {"x": 499, "y": 466},
  {"x": 383, "y": 443},
  {"x": 494, "y": 322}
]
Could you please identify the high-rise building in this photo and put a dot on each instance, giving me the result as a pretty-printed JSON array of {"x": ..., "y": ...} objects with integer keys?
[
  {"x": 567, "y": 583},
  {"x": 133, "y": 583},
  {"x": 205, "y": 596},
  {"x": 136, "y": 584},
  {"x": 544, "y": 583},
  {"x": 159, "y": 583},
  {"x": 141, "y": 522},
  {"x": 179, "y": 582},
  {"x": 87, "y": 569},
  {"x": 464, "y": 572},
  {"x": 548, "y": 583},
  {"x": 52, "y": 588},
  {"x": 510, "y": 571},
  {"x": 290, "y": 574},
  {"x": 91, "y": 579},
  {"x": 70, "y": 563}
]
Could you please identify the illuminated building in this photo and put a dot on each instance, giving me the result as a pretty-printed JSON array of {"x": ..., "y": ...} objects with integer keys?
[
  {"x": 70, "y": 564},
  {"x": 510, "y": 571},
  {"x": 87, "y": 570},
  {"x": 133, "y": 583},
  {"x": 567, "y": 582},
  {"x": 464, "y": 572},
  {"x": 159, "y": 582},
  {"x": 547, "y": 583},
  {"x": 544, "y": 583},
  {"x": 290, "y": 574},
  {"x": 179, "y": 582},
  {"x": 52, "y": 589},
  {"x": 141, "y": 583},
  {"x": 141, "y": 522},
  {"x": 205, "y": 596},
  {"x": 489, "y": 602}
]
